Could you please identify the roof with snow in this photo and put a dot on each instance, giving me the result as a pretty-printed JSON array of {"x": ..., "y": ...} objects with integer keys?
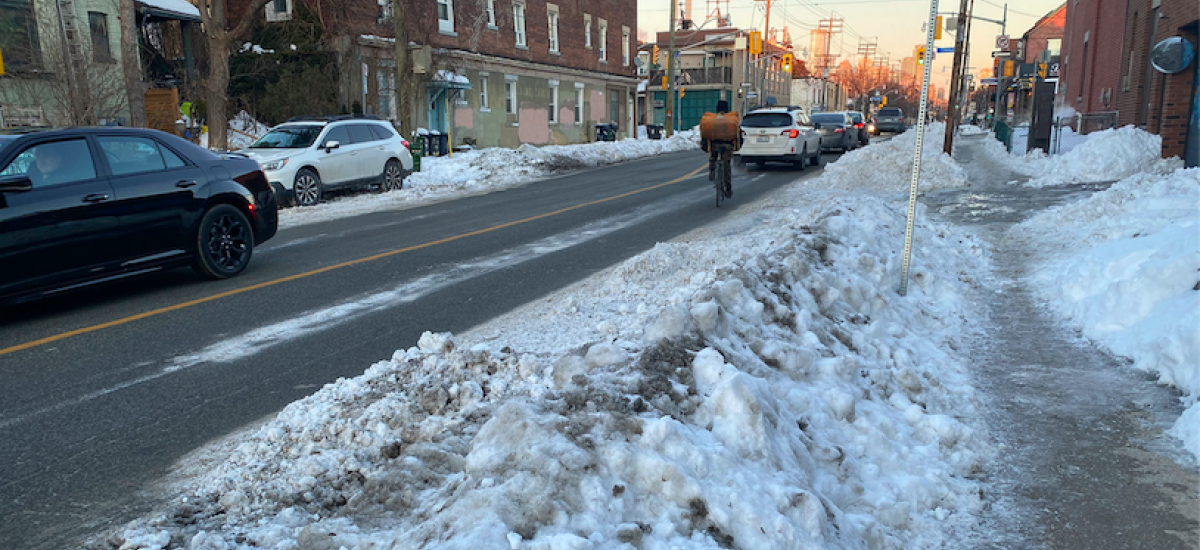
[{"x": 171, "y": 9}]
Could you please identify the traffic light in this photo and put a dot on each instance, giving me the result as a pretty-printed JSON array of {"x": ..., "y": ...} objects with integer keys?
[
  {"x": 1, "y": 63},
  {"x": 1041, "y": 70},
  {"x": 654, "y": 57},
  {"x": 756, "y": 45},
  {"x": 787, "y": 63},
  {"x": 883, "y": 101},
  {"x": 921, "y": 55},
  {"x": 664, "y": 83},
  {"x": 937, "y": 29},
  {"x": 681, "y": 92}
]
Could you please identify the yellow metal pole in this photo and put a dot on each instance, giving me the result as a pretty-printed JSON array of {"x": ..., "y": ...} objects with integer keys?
[{"x": 449, "y": 138}]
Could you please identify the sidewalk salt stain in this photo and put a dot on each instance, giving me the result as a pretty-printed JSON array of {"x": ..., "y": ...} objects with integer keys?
[{"x": 1082, "y": 461}]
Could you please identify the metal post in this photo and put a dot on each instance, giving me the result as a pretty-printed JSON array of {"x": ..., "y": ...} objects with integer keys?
[
  {"x": 1000, "y": 71},
  {"x": 916, "y": 170},
  {"x": 670, "y": 91}
]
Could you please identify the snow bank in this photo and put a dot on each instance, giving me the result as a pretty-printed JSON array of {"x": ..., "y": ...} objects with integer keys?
[
  {"x": 888, "y": 165},
  {"x": 487, "y": 170},
  {"x": 781, "y": 398},
  {"x": 1107, "y": 155},
  {"x": 243, "y": 131},
  {"x": 1126, "y": 271},
  {"x": 971, "y": 130}
]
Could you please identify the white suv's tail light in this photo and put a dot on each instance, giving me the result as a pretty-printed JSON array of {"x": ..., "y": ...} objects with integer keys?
[{"x": 793, "y": 133}]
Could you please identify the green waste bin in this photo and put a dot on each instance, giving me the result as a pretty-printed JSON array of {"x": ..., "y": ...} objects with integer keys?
[
  {"x": 1004, "y": 134},
  {"x": 416, "y": 156}
]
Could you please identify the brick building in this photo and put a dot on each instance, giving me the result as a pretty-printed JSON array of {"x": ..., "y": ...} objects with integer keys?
[
  {"x": 490, "y": 72},
  {"x": 1091, "y": 62},
  {"x": 1165, "y": 104}
]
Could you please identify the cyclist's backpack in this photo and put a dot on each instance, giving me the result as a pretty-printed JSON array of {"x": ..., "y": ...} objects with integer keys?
[{"x": 720, "y": 127}]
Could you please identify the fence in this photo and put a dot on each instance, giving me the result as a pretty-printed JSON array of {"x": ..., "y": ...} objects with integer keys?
[
  {"x": 1069, "y": 132},
  {"x": 711, "y": 75},
  {"x": 15, "y": 117}
]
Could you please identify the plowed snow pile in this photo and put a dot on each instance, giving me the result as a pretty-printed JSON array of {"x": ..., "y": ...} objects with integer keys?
[
  {"x": 887, "y": 165},
  {"x": 762, "y": 388}
]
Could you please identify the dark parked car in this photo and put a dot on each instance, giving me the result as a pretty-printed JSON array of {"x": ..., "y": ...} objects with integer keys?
[
  {"x": 860, "y": 123},
  {"x": 890, "y": 119},
  {"x": 837, "y": 131},
  {"x": 90, "y": 205}
]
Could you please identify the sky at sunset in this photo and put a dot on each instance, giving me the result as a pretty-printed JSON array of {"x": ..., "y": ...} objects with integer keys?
[{"x": 896, "y": 24}]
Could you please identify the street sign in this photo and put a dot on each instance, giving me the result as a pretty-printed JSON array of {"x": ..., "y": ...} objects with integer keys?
[
  {"x": 989, "y": 82},
  {"x": 1053, "y": 70},
  {"x": 752, "y": 94},
  {"x": 949, "y": 49},
  {"x": 1002, "y": 42},
  {"x": 876, "y": 99},
  {"x": 747, "y": 85}
]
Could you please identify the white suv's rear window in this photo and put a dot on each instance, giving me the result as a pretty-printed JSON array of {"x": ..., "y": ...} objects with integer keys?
[{"x": 767, "y": 120}]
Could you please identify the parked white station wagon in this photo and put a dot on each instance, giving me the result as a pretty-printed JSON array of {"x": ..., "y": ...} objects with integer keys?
[
  {"x": 307, "y": 156},
  {"x": 782, "y": 134}
]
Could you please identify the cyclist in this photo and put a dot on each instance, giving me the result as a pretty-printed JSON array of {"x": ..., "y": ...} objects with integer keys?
[{"x": 720, "y": 136}]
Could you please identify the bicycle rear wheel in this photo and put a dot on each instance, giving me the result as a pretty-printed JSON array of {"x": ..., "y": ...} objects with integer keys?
[{"x": 719, "y": 182}]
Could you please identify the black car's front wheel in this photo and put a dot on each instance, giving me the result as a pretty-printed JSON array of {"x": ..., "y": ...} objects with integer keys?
[{"x": 224, "y": 243}]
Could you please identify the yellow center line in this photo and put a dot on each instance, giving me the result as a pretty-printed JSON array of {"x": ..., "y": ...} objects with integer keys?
[{"x": 273, "y": 282}]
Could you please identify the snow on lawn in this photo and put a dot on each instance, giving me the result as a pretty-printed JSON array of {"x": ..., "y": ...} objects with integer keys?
[
  {"x": 1107, "y": 155},
  {"x": 1125, "y": 270},
  {"x": 757, "y": 385},
  {"x": 887, "y": 165},
  {"x": 487, "y": 170}
]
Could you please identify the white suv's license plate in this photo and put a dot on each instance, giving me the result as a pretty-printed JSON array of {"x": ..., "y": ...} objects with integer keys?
[{"x": 764, "y": 139}]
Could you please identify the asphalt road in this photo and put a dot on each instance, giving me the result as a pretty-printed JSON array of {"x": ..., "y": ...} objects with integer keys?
[{"x": 106, "y": 388}]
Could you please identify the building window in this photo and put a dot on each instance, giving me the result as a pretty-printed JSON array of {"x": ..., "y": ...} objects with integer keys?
[
  {"x": 445, "y": 16},
  {"x": 625, "y": 46},
  {"x": 579, "y": 104},
  {"x": 281, "y": 10},
  {"x": 510, "y": 95},
  {"x": 587, "y": 30},
  {"x": 603, "y": 40},
  {"x": 98, "y": 24},
  {"x": 484, "y": 103},
  {"x": 19, "y": 37},
  {"x": 491, "y": 13},
  {"x": 552, "y": 18},
  {"x": 385, "y": 11},
  {"x": 553, "y": 101},
  {"x": 614, "y": 106},
  {"x": 519, "y": 22}
]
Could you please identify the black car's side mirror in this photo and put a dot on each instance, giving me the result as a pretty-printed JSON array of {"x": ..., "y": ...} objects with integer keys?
[
  {"x": 331, "y": 145},
  {"x": 15, "y": 184}
]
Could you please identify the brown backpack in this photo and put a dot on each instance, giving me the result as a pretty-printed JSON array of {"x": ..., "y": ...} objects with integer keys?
[{"x": 720, "y": 127}]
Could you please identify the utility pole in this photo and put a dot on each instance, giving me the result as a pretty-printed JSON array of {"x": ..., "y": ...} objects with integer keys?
[
  {"x": 1000, "y": 70},
  {"x": 960, "y": 43},
  {"x": 404, "y": 74},
  {"x": 670, "y": 91}
]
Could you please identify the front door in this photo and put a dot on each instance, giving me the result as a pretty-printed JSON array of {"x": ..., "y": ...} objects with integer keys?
[
  {"x": 437, "y": 110},
  {"x": 65, "y": 226},
  {"x": 337, "y": 165}
]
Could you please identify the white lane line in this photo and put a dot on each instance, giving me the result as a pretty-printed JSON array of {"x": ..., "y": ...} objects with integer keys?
[{"x": 269, "y": 336}]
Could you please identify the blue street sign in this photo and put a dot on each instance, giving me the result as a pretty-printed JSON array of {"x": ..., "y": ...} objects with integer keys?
[
  {"x": 946, "y": 50},
  {"x": 876, "y": 99},
  {"x": 988, "y": 81}
]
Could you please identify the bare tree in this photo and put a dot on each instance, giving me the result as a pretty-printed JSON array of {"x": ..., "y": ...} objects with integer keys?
[
  {"x": 135, "y": 83},
  {"x": 220, "y": 37},
  {"x": 857, "y": 78},
  {"x": 404, "y": 81}
]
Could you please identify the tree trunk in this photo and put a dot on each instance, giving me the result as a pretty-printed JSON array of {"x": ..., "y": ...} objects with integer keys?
[
  {"x": 404, "y": 77},
  {"x": 135, "y": 86},
  {"x": 218, "y": 89}
]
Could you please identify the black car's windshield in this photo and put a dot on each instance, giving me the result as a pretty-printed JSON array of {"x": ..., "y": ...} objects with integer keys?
[
  {"x": 889, "y": 112},
  {"x": 856, "y": 117},
  {"x": 829, "y": 119},
  {"x": 288, "y": 137},
  {"x": 767, "y": 120}
]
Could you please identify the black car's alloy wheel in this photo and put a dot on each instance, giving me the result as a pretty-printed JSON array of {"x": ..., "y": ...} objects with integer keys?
[
  {"x": 393, "y": 176},
  {"x": 307, "y": 188},
  {"x": 225, "y": 242}
]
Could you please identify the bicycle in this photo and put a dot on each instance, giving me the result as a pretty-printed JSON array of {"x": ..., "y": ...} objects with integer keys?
[{"x": 720, "y": 171}]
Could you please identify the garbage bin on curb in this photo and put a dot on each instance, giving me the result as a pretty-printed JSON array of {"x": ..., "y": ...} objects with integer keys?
[
  {"x": 606, "y": 132},
  {"x": 654, "y": 131},
  {"x": 416, "y": 156}
]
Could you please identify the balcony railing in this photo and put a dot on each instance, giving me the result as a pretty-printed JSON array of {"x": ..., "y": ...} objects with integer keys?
[{"x": 685, "y": 77}]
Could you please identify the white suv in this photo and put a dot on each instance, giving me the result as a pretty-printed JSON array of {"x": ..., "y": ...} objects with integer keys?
[
  {"x": 307, "y": 155},
  {"x": 782, "y": 134}
]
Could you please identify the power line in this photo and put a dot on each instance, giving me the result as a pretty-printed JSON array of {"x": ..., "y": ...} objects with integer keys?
[{"x": 1010, "y": 10}]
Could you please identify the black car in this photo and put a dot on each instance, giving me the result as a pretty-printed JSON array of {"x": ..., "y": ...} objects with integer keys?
[
  {"x": 860, "y": 122},
  {"x": 837, "y": 131},
  {"x": 89, "y": 205}
]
